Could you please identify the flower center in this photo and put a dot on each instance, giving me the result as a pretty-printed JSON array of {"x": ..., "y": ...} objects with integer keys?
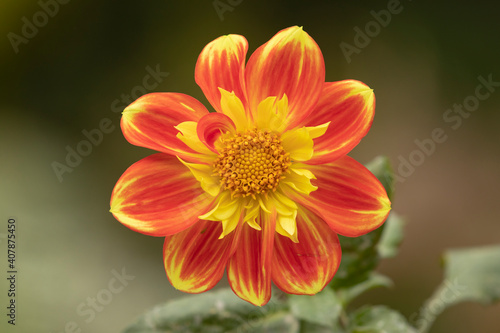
[{"x": 252, "y": 163}]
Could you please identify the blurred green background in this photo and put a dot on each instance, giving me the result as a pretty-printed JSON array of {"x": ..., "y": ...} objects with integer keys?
[{"x": 66, "y": 77}]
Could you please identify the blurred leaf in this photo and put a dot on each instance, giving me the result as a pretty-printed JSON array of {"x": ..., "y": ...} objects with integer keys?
[
  {"x": 374, "y": 281},
  {"x": 473, "y": 274},
  {"x": 214, "y": 312},
  {"x": 308, "y": 327},
  {"x": 279, "y": 322},
  {"x": 392, "y": 236},
  {"x": 470, "y": 275},
  {"x": 378, "y": 319},
  {"x": 360, "y": 254},
  {"x": 323, "y": 308}
]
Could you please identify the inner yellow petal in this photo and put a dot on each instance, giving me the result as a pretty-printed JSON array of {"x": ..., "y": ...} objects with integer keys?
[
  {"x": 287, "y": 226},
  {"x": 298, "y": 143},
  {"x": 300, "y": 180},
  {"x": 232, "y": 107},
  {"x": 189, "y": 136},
  {"x": 203, "y": 174},
  {"x": 228, "y": 211},
  {"x": 252, "y": 210},
  {"x": 228, "y": 225},
  {"x": 272, "y": 114},
  {"x": 317, "y": 131},
  {"x": 287, "y": 213}
]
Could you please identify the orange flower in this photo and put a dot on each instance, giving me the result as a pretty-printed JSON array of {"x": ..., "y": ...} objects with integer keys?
[{"x": 263, "y": 185}]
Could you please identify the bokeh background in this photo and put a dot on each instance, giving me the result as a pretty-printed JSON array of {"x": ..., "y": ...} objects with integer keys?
[{"x": 68, "y": 75}]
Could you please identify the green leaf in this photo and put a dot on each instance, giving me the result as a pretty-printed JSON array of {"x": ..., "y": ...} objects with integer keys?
[
  {"x": 471, "y": 274},
  {"x": 374, "y": 281},
  {"x": 308, "y": 327},
  {"x": 360, "y": 254},
  {"x": 214, "y": 312},
  {"x": 392, "y": 235},
  {"x": 378, "y": 319},
  {"x": 323, "y": 308}
]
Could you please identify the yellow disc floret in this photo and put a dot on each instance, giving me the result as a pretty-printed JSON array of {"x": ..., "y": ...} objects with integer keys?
[{"x": 252, "y": 162}]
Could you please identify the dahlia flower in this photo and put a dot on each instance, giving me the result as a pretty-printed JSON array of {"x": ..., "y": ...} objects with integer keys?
[{"x": 262, "y": 186}]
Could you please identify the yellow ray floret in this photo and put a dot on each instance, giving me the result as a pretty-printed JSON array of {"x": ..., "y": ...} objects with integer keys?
[
  {"x": 188, "y": 135},
  {"x": 232, "y": 107},
  {"x": 203, "y": 174}
]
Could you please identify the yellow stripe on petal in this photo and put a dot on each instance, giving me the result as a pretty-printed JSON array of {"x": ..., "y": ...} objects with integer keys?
[
  {"x": 158, "y": 196},
  {"x": 349, "y": 197},
  {"x": 307, "y": 266},
  {"x": 150, "y": 122},
  {"x": 203, "y": 174},
  {"x": 195, "y": 259},
  {"x": 221, "y": 64},
  {"x": 298, "y": 143},
  {"x": 350, "y": 106},
  {"x": 290, "y": 63},
  {"x": 249, "y": 269},
  {"x": 381, "y": 213}
]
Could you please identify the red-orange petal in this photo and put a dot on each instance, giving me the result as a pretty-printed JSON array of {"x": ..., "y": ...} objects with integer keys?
[
  {"x": 211, "y": 126},
  {"x": 349, "y": 197},
  {"x": 158, "y": 196},
  {"x": 306, "y": 267},
  {"x": 195, "y": 258},
  {"x": 350, "y": 106},
  {"x": 149, "y": 122},
  {"x": 249, "y": 269},
  {"x": 221, "y": 64},
  {"x": 290, "y": 63}
]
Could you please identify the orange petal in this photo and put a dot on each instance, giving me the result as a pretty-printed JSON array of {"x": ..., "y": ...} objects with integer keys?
[
  {"x": 349, "y": 197},
  {"x": 221, "y": 64},
  {"x": 249, "y": 269},
  {"x": 195, "y": 258},
  {"x": 158, "y": 196},
  {"x": 350, "y": 106},
  {"x": 306, "y": 267},
  {"x": 290, "y": 63},
  {"x": 150, "y": 122},
  {"x": 211, "y": 126}
]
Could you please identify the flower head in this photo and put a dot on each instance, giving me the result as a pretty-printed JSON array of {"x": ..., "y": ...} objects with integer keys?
[{"x": 263, "y": 185}]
